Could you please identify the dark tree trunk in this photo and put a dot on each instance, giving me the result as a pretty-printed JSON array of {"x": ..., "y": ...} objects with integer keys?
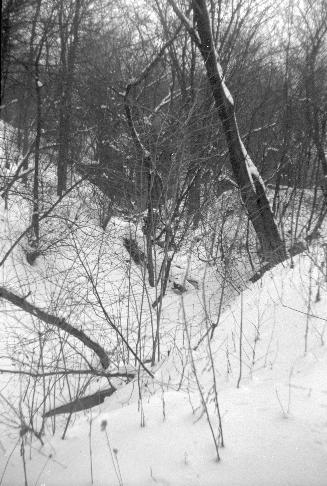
[
  {"x": 67, "y": 61},
  {"x": 246, "y": 175},
  {"x": 36, "y": 209},
  {"x": 150, "y": 235},
  {"x": 6, "y": 28},
  {"x": 38, "y": 86}
]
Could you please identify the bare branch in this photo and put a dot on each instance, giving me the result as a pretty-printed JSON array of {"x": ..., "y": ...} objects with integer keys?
[
  {"x": 185, "y": 21},
  {"x": 143, "y": 152},
  {"x": 17, "y": 172},
  {"x": 118, "y": 374},
  {"x": 43, "y": 216}
]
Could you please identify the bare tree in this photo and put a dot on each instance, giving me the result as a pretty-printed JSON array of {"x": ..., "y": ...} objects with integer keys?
[
  {"x": 69, "y": 38},
  {"x": 246, "y": 174},
  {"x": 314, "y": 21}
]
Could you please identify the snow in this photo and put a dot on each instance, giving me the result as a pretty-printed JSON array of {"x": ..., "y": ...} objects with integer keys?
[
  {"x": 227, "y": 93},
  {"x": 274, "y": 423},
  {"x": 252, "y": 170}
]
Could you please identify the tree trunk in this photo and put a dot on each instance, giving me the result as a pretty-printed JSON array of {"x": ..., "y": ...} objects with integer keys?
[
  {"x": 246, "y": 174},
  {"x": 31, "y": 256},
  {"x": 67, "y": 60},
  {"x": 7, "y": 11},
  {"x": 36, "y": 209}
]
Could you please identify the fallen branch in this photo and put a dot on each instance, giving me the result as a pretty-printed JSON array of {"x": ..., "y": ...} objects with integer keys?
[
  {"x": 135, "y": 252},
  {"x": 58, "y": 322},
  {"x": 83, "y": 403}
]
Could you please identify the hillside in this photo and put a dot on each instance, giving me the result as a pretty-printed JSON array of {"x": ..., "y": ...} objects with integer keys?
[{"x": 257, "y": 362}]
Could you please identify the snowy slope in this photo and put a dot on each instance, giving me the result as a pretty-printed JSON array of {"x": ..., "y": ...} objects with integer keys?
[
  {"x": 274, "y": 424},
  {"x": 266, "y": 362}
]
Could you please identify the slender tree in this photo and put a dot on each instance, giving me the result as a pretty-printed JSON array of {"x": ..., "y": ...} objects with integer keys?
[{"x": 69, "y": 38}]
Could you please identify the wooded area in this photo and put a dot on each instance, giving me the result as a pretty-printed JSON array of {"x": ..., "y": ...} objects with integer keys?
[
  {"x": 122, "y": 96},
  {"x": 137, "y": 138}
]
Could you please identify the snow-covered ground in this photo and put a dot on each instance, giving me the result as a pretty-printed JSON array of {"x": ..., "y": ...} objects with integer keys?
[{"x": 265, "y": 364}]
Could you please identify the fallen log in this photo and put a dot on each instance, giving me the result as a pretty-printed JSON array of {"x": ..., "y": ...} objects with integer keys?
[{"x": 83, "y": 403}]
